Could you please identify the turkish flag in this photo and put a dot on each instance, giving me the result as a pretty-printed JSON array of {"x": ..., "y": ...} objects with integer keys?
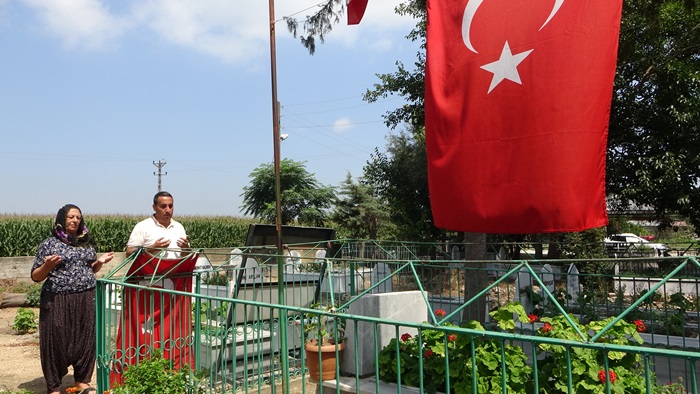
[
  {"x": 356, "y": 10},
  {"x": 155, "y": 319},
  {"x": 517, "y": 105}
]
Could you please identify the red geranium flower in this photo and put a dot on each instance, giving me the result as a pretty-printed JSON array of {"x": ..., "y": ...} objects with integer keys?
[
  {"x": 72, "y": 390},
  {"x": 533, "y": 318},
  {"x": 546, "y": 328},
  {"x": 640, "y": 326},
  {"x": 440, "y": 313},
  {"x": 428, "y": 353},
  {"x": 602, "y": 377},
  {"x": 405, "y": 337},
  {"x": 452, "y": 337}
]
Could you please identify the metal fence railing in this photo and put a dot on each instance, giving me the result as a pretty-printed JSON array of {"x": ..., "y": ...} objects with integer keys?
[{"x": 239, "y": 321}]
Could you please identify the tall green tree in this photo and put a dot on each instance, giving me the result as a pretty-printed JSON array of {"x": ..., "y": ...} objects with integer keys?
[
  {"x": 359, "y": 212},
  {"x": 654, "y": 137},
  {"x": 304, "y": 201},
  {"x": 401, "y": 178}
]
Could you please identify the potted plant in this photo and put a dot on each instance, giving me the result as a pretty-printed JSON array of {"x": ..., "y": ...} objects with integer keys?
[{"x": 324, "y": 341}]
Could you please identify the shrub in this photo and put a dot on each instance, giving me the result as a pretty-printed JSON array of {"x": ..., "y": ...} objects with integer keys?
[
  {"x": 34, "y": 295},
  {"x": 435, "y": 354},
  {"x": 426, "y": 354},
  {"x": 155, "y": 375},
  {"x": 25, "y": 321}
]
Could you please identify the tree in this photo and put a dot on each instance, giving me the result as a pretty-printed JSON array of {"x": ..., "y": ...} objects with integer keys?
[
  {"x": 409, "y": 84},
  {"x": 654, "y": 137},
  {"x": 303, "y": 200},
  {"x": 318, "y": 24},
  {"x": 359, "y": 211},
  {"x": 401, "y": 178}
]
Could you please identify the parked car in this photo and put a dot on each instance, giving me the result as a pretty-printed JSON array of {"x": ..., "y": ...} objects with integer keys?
[{"x": 628, "y": 243}]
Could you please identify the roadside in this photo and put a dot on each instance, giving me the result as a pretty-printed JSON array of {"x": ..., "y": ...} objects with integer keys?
[{"x": 20, "y": 368}]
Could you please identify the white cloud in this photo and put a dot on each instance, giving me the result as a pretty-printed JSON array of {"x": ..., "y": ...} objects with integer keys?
[
  {"x": 341, "y": 125},
  {"x": 79, "y": 23},
  {"x": 233, "y": 31}
]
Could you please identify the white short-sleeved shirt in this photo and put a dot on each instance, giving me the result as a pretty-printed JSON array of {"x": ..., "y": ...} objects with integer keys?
[{"x": 148, "y": 231}]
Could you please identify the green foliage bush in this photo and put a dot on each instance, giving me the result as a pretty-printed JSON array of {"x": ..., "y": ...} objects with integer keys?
[
  {"x": 34, "y": 295},
  {"x": 431, "y": 348},
  {"x": 476, "y": 359},
  {"x": 155, "y": 375},
  {"x": 26, "y": 321}
]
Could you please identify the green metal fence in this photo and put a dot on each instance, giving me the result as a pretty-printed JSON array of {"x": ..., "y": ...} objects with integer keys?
[{"x": 415, "y": 320}]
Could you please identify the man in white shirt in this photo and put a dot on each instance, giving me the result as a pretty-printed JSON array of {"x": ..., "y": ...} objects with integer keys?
[{"x": 159, "y": 234}]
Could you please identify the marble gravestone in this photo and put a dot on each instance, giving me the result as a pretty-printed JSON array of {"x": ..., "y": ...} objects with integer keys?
[
  {"x": 379, "y": 272},
  {"x": 547, "y": 278},
  {"x": 573, "y": 283},
  {"x": 293, "y": 262},
  {"x": 405, "y": 306},
  {"x": 523, "y": 281}
]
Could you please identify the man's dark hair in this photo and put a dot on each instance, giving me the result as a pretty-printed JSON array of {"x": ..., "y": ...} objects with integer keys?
[{"x": 161, "y": 194}]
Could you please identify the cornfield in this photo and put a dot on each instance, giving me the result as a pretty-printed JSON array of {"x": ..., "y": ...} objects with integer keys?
[{"x": 21, "y": 234}]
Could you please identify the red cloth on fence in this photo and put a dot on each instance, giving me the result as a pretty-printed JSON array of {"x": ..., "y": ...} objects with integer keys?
[{"x": 151, "y": 319}]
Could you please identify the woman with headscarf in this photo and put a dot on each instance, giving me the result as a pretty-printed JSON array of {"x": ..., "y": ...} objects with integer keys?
[{"x": 68, "y": 262}]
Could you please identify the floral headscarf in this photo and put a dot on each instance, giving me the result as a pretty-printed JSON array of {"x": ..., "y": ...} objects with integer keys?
[{"x": 59, "y": 228}]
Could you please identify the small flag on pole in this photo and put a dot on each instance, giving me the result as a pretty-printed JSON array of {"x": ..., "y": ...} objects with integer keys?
[{"x": 356, "y": 10}]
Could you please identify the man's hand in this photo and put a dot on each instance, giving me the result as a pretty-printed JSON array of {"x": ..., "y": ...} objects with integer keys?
[
  {"x": 183, "y": 242},
  {"x": 160, "y": 243}
]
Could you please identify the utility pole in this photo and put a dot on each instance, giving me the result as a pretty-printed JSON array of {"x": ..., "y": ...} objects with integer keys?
[
  {"x": 160, "y": 166},
  {"x": 276, "y": 140}
]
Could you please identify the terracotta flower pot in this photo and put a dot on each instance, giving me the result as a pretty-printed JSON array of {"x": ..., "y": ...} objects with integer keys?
[{"x": 328, "y": 359}]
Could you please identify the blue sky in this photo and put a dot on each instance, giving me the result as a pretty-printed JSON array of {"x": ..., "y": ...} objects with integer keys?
[{"x": 93, "y": 92}]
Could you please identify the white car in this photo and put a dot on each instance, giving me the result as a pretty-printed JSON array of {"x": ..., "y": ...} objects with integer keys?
[{"x": 627, "y": 241}]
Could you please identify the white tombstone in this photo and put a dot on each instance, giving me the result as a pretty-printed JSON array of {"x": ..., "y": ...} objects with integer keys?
[
  {"x": 548, "y": 281},
  {"x": 253, "y": 273},
  {"x": 202, "y": 264},
  {"x": 501, "y": 253},
  {"x": 522, "y": 283},
  {"x": 573, "y": 283},
  {"x": 293, "y": 262},
  {"x": 548, "y": 277},
  {"x": 455, "y": 253},
  {"x": 379, "y": 272},
  {"x": 236, "y": 258},
  {"x": 405, "y": 306}
]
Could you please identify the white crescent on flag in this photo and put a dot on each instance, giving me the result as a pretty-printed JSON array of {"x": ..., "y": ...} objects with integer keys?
[
  {"x": 473, "y": 6},
  {"x": 557, "y": 6}
]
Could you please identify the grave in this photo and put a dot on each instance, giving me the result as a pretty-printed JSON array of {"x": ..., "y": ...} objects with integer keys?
[{"x": 406, "y": 306}]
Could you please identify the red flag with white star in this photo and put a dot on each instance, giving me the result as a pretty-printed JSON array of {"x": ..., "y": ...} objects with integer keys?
[{"x": 517, "y": 106}]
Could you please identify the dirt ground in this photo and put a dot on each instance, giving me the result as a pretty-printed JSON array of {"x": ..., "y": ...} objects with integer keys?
[{"x": 20, "y": 368}]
